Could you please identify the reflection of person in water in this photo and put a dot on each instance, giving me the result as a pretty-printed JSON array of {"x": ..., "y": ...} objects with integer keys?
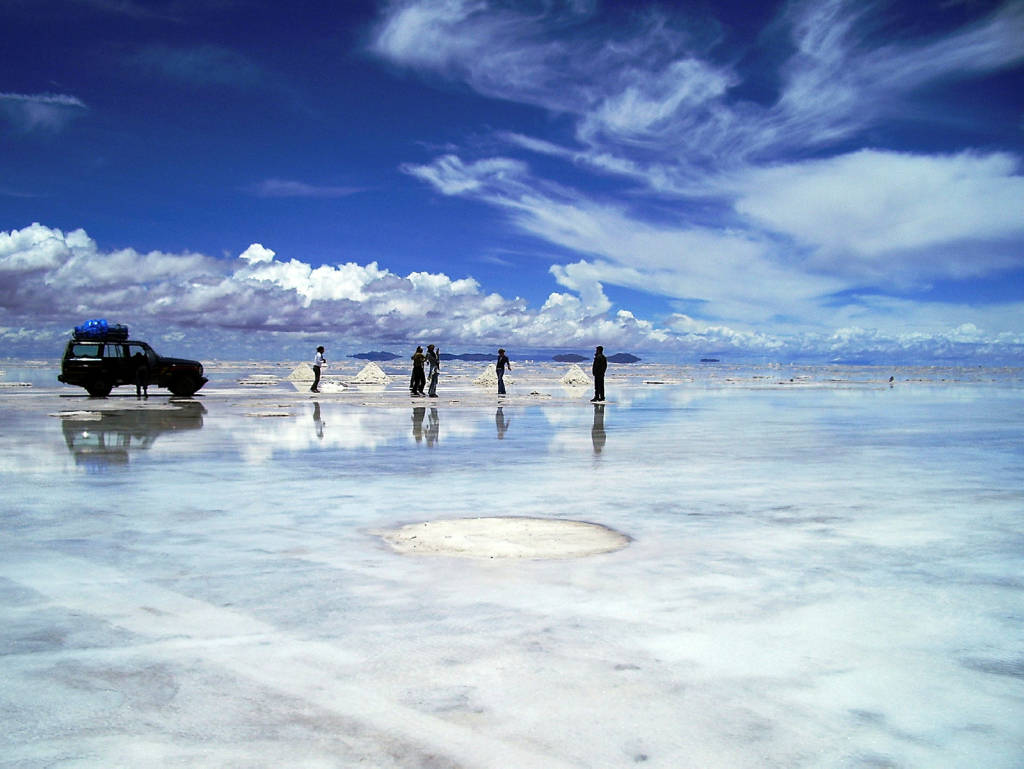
[
  {"x": 141, "y": 365},
  {"x": 317, "y": 420},
  {"x": 417, "y": 422},
  {"x": 597, "y": 433},
  {"x": 433, "y": 427},
  {"x": 501, "y": 423}
]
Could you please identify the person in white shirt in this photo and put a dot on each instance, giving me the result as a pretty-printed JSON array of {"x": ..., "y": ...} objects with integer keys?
[{"x": 318, "y": 362}]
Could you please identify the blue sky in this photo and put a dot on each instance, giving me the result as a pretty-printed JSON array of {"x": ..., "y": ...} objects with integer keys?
[{"x": 819, "y": 180}]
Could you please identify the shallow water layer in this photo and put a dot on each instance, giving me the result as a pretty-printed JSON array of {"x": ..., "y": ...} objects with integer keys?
[{"x": 818, "y": 576}]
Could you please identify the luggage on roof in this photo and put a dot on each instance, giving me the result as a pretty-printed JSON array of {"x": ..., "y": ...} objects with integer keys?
[{"x": 100, "y": 329}]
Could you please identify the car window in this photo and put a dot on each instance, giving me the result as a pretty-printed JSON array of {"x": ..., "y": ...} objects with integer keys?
[
  {"x": 134, "y": 349},
  {"x": 113, "y": 351},
  {"x": 85, "y": 351}
]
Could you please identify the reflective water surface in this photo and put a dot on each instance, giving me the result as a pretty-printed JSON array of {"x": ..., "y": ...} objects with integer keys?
[{"x": 819, "y": 576}]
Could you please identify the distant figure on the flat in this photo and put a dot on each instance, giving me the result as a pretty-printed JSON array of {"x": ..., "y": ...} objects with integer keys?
[
  {"x": 141, "y": 365},
  {"x": 500, "y": 366},
  {"x": 598, "y": 369},
  {"x": 501, "y": 423},
  {"x": 319, "y": 361},
  {"x": 434, "y": 363},
  {"x": 418, "y": 379}
]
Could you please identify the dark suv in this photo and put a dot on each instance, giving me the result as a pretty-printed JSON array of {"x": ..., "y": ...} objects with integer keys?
[{"x": 100, "y": 364}]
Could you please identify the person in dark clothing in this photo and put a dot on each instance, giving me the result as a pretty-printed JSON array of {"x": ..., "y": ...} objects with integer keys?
[
  {"x": 419, "y": 379},
  {"x": 319, "y": 361},
  {"x": 141, "y": 364},
  {"x": 500, "y": 367},
  {"x": 598, "y": 369}
]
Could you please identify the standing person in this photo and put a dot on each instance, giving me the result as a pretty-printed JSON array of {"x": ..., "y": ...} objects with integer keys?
[
  {"x": 319, "y": 361},
  {"x": 418, "y": 378},
  {"x": 434, "y": 362},
  {"x": 500, "y": 366},
  {"x": 141, "y": 364},
  {"x": 598, "y": 369}
]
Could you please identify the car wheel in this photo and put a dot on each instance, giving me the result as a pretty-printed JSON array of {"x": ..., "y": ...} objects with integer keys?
[
  {"x": 99, "y": 389},
  {"x": 183, "y": 385}
]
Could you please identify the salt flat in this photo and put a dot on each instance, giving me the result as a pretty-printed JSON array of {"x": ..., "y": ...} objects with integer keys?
[{"x": 822, "y": 571}]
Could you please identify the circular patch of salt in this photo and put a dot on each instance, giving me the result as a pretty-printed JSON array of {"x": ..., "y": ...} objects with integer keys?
[{"x": 504, "y": 537}]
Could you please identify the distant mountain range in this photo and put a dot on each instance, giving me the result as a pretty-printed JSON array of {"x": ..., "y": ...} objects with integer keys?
[
  {"x": 619, "y": 357},
  {"x": 380, "y": 355}
]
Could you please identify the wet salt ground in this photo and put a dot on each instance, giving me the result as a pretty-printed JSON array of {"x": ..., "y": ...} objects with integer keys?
[{"x": 825, "y": 576}]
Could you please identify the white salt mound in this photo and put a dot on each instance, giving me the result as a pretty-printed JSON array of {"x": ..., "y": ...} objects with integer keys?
[
  {"x": 371, "y": 373},
  {"x": 489, "y": 376},
  {"x": 575, "y": 376},
  {"x": 504, "y": 537},
  {"x": 301, "y": 373}
]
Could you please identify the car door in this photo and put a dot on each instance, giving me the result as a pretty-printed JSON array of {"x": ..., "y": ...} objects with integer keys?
[{"x": 115, "y": 362}]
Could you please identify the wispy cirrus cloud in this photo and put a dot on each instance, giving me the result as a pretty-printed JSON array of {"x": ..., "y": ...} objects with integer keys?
[
  {"x": 761, "y": 232},
  {"x": 734, "y": 275},
  {"x": 844, "y": 76},
  {"x": 290, "y": 188},
  {"x": 43, "y": 111},
  {"x": 655, "y": 87},
  {"x": 168, "y": 10}
]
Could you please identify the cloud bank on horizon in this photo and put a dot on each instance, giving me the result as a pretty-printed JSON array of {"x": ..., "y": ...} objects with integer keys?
[{"x": 823, "y": 186}]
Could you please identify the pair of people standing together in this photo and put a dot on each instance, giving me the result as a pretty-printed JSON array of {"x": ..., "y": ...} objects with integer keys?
[{"x": 419, "y": 378}]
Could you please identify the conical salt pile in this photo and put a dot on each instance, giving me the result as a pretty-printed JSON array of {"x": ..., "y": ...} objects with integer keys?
[
  {"x": 488, "y": 377},
  {"x": 371, "y": 374},
  {"x": 302, "y": 373},
  {"x": 575, "y": 376}
]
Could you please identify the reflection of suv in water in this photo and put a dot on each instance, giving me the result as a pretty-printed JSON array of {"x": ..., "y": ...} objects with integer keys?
[
  {"x": 99, "y": 363},
  {"x": 101, "y": 438}
]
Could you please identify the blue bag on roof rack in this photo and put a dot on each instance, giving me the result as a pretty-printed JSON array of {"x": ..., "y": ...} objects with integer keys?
[{"x": 99, "y": 329}]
